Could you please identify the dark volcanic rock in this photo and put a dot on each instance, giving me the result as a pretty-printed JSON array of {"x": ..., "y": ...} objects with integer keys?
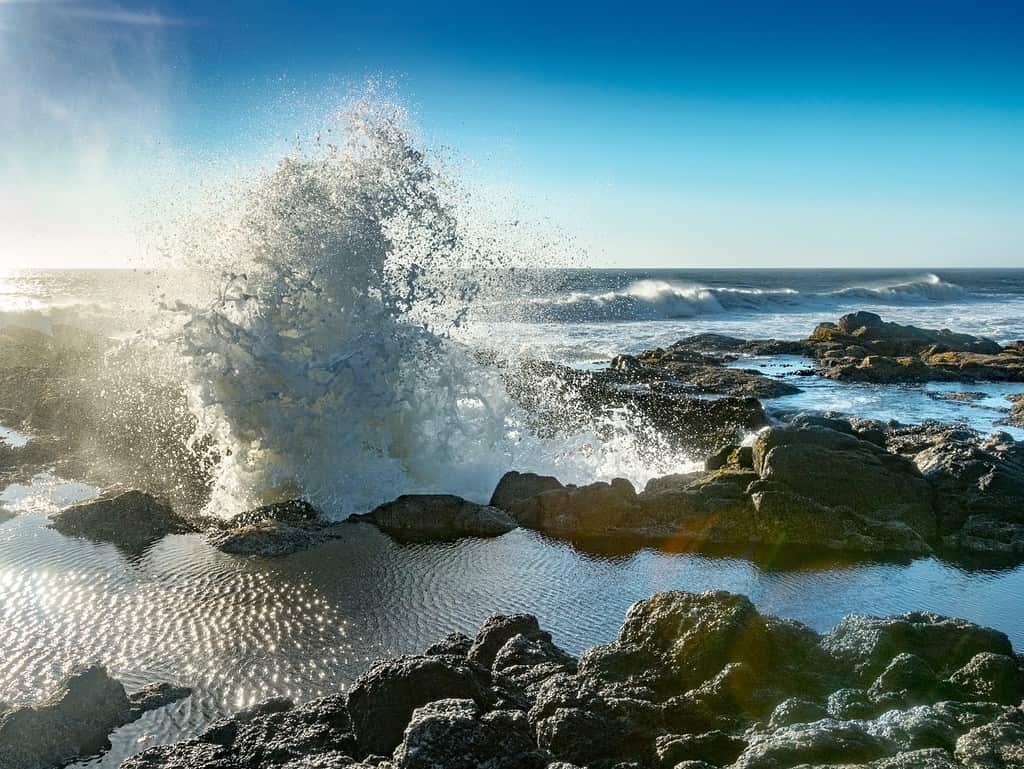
[
  {"x": 1016, "y": 410},
  {"x": 515, "y": 486},
  {"x": 437, "y": 517},
  {"x": 74, "y": 722},
  {"x": 273, "y": 734},
  {"x": 814, "y": 481},
  {"x": 383, "y": 700},
  {"x": 456, "y": 734},
  {"x": 269, "y": 531},
  {"x": 692, "y": 680},
  {"x": 132, "y": 520}
]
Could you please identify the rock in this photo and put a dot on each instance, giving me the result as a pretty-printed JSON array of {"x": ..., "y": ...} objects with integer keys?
[
  {"x": 458, "y": 644},
  {"x": 270, "y": 531},
  {"x": 383, "y": 699},
  {"x": 131, "y": 520},
  {"x": 268, "y": 539},
  {"x": 978, "y": 486},
  {"x": 692, "y": 680},
  {"x": 991, "y": 677},
  {"x": 75, "y": 721},
  {"x": 156, "y": 696},
  {"x": 861, "y": 347},
  {"x": 816, "y": 744},
  {"x": 596, "y": 509},
  {"x": 497, "y": 630},
  {"x": 317, "y": 735},
  {"x": 999, "y": 745},
  {"x": 437, "y": 517},
  {"x": 715, "y": 748},
  {"x": 848, "y": 472},
  {"x": 561, "y": 399},
  {"x": 867, "y": 645},
  {"x": 515, "y": 486},
  {"x": 1016, "y": 410},
  {"x": 455, "y": 734}
]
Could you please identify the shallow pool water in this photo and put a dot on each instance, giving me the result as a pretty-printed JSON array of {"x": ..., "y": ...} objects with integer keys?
[{"x": 241, "y": 629}]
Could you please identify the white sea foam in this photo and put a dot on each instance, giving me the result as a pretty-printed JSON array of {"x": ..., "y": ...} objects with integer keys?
[{"x": 327, "y": 367}]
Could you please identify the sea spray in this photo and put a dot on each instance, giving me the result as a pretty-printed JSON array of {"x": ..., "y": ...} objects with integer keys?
[{"x": 327, "y": 367}]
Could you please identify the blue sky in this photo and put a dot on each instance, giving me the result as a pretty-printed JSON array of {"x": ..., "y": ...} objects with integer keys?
[{"x": 696, "y": 134}]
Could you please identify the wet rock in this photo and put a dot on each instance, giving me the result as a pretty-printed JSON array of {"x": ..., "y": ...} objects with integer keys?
[
  {"x": 383, "y": 699},
  {"x": 456, "y": 734},
  {"x": 156, "y": 696},
  {"x": 1016, "y": 416},
  {"x": 598, "y": 508},
  {"x": 692, "y": 680},
  {"x": 75, "y": 722},
  {"x": 560, "y": 399},
  {"x": 848, "y": 472},
  {"x": 270, "y": 531},
  {"x": 458, "y": 644},
  {"x": 437, "y": 517},
  {"x": 515, "y": 486},
  {"x": 131, "y": 520},
  {"x": 867, "y": 645},
  {"x": 273, "y": 734}
]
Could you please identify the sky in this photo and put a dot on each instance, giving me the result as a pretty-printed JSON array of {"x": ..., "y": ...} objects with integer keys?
[{"x": 690, "y": 134}]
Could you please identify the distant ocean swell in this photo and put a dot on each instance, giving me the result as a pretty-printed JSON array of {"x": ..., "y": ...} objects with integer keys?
[{"x": 657, "y": 299}]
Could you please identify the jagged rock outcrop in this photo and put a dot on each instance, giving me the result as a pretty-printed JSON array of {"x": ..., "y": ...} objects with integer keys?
[
  {"x": 689, "y": 371},
  {"x": 272, "y": 530},
  {"x": 692, "y": 680},
  {"x": 132, "y": 520},
  {"x": 861, "y": 347},
  {"x": 76, "y": 721},
  {"x": 815, "y": 481},
  {"x": 437, "y": 517}
]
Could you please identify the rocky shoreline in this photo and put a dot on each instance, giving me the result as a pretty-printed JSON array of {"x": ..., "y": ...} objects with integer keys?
[{"x": 692, "y": 681}]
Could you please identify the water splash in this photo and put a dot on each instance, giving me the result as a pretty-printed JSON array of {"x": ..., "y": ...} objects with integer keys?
[{"x": 328, "y": 365}]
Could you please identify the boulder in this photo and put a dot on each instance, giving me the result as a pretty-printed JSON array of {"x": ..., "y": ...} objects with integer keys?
[
  {"x": 456, "y": 734},
  {"x": 382, "y": 701},
  {"x": 131, "y": 520},
  {"x": 270, "y": 531},
  {"x": 515, "y": 486},
  {"x": 273, "y": 734},
  {"x": 836, "y": 469},
  {"x": 75, "y": 722},
  {"x": 437, "y": 517},
  {"x": 867, "y": 645}
]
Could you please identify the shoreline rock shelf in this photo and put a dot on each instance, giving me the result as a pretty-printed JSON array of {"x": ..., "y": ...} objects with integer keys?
[
  {"x": 861, "y": 347},
  {"x": 692, "y": 681},
  {"x": 857, "y": 486}
]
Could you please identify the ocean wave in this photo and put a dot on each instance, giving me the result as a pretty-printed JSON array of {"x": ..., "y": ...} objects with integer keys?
[{"x": 650, "y": 299}]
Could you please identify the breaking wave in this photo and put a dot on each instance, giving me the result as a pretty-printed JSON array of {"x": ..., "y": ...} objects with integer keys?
[{"x": 646, "y": 300}]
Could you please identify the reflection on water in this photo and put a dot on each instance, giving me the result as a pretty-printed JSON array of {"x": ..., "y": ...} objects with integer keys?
[{"x": 240, "y": 630}]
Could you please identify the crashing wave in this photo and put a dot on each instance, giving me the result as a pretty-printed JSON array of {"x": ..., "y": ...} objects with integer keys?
[
  {"x": 646, "y": 300},
  {"x": 327, "y": 366}
]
